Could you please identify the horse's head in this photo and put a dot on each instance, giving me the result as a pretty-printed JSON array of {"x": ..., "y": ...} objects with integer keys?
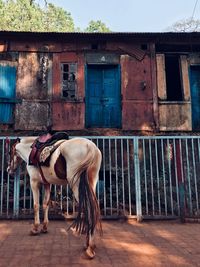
[{"x": 14, "y": 159}]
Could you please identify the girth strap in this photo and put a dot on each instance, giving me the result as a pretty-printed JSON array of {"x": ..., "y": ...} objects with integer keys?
[{"x": 44, "y": 181}]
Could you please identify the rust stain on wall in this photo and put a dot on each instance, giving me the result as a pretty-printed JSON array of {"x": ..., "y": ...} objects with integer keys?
[
  {"x": 68, "y": 116},
  {"x": 137, "y": 105}
]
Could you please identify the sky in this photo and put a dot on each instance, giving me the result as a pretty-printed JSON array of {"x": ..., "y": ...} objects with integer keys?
[{"x": 130, "y": 15}]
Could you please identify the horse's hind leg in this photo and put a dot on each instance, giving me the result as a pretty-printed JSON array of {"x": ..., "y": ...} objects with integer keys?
[
  {"x": 47, "y": 189},
  {"x": 93, "y": 176},
  {"x": 35, "y": 190}
]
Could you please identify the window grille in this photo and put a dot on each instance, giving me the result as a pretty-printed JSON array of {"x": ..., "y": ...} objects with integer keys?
[{"x": 69, "y": 80}]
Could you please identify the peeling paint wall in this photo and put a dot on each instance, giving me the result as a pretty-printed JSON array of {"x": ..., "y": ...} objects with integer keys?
[
  {"x": 175, "y": 117},
  {"x": 34, "y": 89},
  {"x": 32, "y": 115},
  {"x": 137, "y": 103}
]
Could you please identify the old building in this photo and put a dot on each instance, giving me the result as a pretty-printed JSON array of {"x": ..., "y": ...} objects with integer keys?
[{"x": 100, "y": 83}]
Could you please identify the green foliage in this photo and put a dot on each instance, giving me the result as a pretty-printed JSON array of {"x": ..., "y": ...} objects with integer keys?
[
  {"x": 97, "y": 26},
  {"x": 26, "y": 15},
  {"x": 57, "y": 19}
]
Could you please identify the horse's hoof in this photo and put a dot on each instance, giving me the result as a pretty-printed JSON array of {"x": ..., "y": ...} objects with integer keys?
[
  {"x": 90, "y": 253},
  {"x": 34, "y": 232},
  {"x": 43, "y": 231},
  {"x": 93, "y": 247}
]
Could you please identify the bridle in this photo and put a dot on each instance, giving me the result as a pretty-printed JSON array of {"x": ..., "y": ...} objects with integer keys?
[{"x": 11, "y": 154}]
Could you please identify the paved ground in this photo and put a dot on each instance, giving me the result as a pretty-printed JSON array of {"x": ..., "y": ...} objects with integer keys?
[{"x": 123, "y": 244}]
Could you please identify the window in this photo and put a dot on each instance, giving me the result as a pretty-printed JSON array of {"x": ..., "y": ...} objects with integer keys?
[
  {"x": 173, "y": 78},
  {"x": 69, "y": 81}
]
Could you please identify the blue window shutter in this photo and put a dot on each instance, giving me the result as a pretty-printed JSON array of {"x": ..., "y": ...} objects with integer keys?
[{"x": 7, "y": 92}]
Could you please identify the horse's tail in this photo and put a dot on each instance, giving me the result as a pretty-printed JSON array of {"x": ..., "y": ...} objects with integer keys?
[{"x": 88, "y": 218}]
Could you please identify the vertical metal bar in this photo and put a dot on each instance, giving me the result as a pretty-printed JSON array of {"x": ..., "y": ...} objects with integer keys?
[
  {"x": 195, "y": 176},
  {"x": 180, "y": 179},
  {"x": 8, "y": 188},
  {"x": 151, "y": 173},
  {"x": 25, "y": 191},
  {"x": 116, "y": 174},
  {"x": 16, "y": 193},
  {"x": 8, "y": 191},
  {"x": 170, "y": 176},
  {"x": 61, "y": 197},
  {"x": 122, "y": 162},
  {"x": 176, "y": 177},
  {"x": 98, "y": 197},
  {"x": 198, "y": 150},
  {"x": 2, "y": 174},
  {"x": 30, "y": 204},
  {"x": 198, "y": 145},
  {"x": 129, "y": 182},
  {"x": 188, "y": 176},
  {"x": 110, "y": 175},
  {"x": 157, "y": 176},
  {"x": 137, "y": 180},
  {"x": 164, "y": 180},
  {"x": 67, "y": 189},
  {"x": 55, "y": 192},
  {"x": 180, "y": 145},
  {"x": 18, "y": 189},
  {"x": 104, "y": 178},
  {"x": 73, "y": 205},
  {"x": 145, "y": 178}
]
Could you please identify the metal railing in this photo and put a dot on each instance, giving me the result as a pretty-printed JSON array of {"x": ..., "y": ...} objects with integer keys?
[{"x": 140, "y": 177}]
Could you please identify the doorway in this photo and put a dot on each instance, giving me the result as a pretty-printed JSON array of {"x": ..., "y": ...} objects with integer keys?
[{"x": 103, "y": 96}]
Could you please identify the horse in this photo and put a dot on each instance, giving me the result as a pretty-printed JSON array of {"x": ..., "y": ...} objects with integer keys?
[{"x": 75, "y": 162}]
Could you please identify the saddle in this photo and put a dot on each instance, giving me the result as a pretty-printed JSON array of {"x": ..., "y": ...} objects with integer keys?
[{"x": 43, "y": 147}]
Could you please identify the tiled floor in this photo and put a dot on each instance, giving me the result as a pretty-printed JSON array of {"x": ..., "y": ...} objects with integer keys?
[{"x": 122, "y": 244}]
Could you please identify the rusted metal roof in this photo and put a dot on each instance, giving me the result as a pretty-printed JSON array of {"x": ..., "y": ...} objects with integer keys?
[{"x": 156, "y": 36}]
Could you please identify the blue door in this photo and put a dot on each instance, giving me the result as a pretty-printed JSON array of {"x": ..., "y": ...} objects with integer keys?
[
  {"x": 195, "y": 96},
  {"x": 7, "y": 92},
  {"x": 103, "y": 96}
]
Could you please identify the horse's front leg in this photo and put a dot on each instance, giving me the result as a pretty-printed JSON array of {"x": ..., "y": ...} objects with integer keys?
[
  {"x": 47, "y": 190},
  {"x": 35, "y": 185}
]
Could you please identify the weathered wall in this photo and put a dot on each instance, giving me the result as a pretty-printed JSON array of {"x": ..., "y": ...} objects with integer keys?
[
  {"x": 32, "y": 115},
  {"x": 175, "y": 117},
  {"x": 39, "y": 85},
  {"x": 68, "y": 115},
  {"x": 33, "y": 87},
  {"x": 137, "y": 103}
]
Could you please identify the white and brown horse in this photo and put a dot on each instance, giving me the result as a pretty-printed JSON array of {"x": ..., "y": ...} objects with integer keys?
[{"x": 75, "y": 162}]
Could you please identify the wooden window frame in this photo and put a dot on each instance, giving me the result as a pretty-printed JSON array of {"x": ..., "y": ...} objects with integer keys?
[{"x": 161, "y": 78}]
